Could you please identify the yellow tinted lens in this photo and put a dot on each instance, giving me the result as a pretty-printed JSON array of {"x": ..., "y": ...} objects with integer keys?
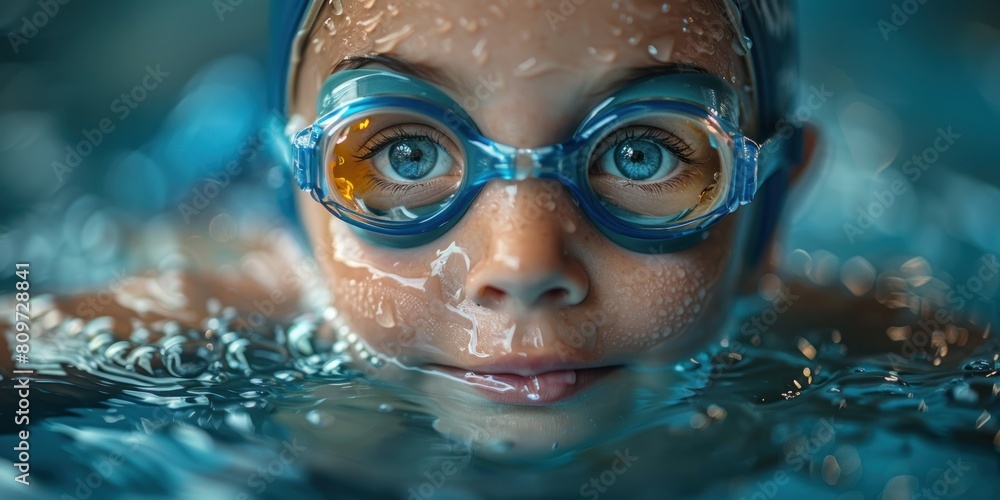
[{"x": 393, "y": 165}]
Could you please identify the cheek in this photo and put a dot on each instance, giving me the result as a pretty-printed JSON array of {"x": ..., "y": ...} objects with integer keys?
[
  {"x": 668, "y": 296},
  {"x": 394, "y": 299}
]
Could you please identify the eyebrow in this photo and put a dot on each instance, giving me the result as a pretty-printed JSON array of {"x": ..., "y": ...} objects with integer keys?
[
  {"x": 638, "y": 73},
  {"x": 436, "y": 75}
]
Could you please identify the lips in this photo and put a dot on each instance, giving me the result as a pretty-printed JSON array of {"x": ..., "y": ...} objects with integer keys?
[{"x": 538, "y": 389}]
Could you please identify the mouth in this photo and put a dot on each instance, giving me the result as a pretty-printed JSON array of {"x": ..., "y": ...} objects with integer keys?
[{"x": 517, "y": 387}]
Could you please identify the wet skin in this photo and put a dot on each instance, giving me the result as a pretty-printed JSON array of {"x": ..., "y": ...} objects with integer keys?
[{"x": 524, "y": 292}]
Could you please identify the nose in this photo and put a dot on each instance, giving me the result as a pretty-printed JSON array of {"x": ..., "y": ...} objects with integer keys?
[{"x": 528, "y": 264}]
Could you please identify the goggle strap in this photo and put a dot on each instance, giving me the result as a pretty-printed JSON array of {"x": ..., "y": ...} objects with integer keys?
[{"x": 779, "y": 152}]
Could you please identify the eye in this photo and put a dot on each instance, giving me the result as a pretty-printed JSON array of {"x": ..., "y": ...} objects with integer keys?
[
  {"x": 638, "y": 160},
  {"x": 408, "y": 156},
  {"x": 657, "y": 171},
  {"x": 393, "y": 165}
]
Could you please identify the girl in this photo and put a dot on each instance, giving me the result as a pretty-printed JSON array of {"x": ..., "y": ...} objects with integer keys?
[{"x": 536, "y": 204}]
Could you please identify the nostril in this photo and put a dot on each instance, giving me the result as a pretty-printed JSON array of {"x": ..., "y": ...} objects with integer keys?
[
  {"x": 490, "y": 297},
  {"x": 494, "y": 297},
  {"x": 555, "y": 297}
]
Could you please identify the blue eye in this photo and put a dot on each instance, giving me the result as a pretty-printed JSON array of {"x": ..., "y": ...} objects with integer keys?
[
  {"x": 407, "y": 157},
  {"x": 413, "y": 158},
  {"x": 638, "y": 159}
]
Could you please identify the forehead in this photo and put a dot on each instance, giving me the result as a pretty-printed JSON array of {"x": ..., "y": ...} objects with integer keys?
[{"x": 517, "y": 51}]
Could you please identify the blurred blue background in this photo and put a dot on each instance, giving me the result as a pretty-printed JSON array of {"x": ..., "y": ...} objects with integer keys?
[{"x": 894, "y": 82}]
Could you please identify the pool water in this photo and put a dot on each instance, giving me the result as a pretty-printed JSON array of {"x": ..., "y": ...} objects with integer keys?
[{"x": 280, "y": 413}]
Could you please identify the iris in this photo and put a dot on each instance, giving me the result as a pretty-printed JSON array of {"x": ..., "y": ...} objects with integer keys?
[
  {"x": 413, "y": 158},
  {"x": 638, "y": 159}
]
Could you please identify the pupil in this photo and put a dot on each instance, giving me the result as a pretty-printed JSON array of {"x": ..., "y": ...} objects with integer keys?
[
  {"x": 638, "y": 159},
  {"x": 413, "y": 158}
]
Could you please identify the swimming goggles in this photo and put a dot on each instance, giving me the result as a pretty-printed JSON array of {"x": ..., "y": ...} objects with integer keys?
[{"x": 653, "y": 166}]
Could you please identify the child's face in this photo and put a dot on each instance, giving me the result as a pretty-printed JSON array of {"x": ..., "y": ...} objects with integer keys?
[{"x": 524, "y": 285}]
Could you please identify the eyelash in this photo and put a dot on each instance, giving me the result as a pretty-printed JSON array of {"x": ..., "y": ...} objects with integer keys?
[
  {"x": 671, "y": 184},
  {"x": 388, "y": 186},
  {"x": 671, "y": 142},
  {"x": 383, "y": 139}
]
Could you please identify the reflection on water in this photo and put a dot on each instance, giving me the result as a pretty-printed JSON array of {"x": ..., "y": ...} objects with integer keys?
[{"x": 226, "y": 411}]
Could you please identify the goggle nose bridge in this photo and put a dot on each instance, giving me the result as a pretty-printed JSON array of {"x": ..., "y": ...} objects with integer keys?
[{"x": 552, "y": 161}]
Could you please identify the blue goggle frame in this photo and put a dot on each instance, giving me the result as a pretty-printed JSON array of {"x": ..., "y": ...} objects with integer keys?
[{"x": 700, "y": 96}]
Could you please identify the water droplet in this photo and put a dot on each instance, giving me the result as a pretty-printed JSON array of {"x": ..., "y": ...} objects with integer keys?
[
  {"x": 337, "y": 8},
  {"x": 334, "y": 366},
  {"x": 369, "y": 25},
  {"x": 317, "y": 48},
  {"x": 289, "y": 375},
  {"x": 604, "y": 55},
  {"x": 661, "y": 49},
  {"x": 320, "y": 419},
  {"x": 470, "y": 26},
  {"x": 443, "y": 25},
  {"x": 240, "y": 421},
  {"x": 384, "y": 315},
  {"x": 665, "y": 8},
  {"x": 187, "y": 359},
  {"x": 479, "y": 52},
  {"x": 738, "y": 48},
  {"x": 384, "y": 408},
  {"x": 525, "y": 66},
  {"x": 389, "y": 42}
]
